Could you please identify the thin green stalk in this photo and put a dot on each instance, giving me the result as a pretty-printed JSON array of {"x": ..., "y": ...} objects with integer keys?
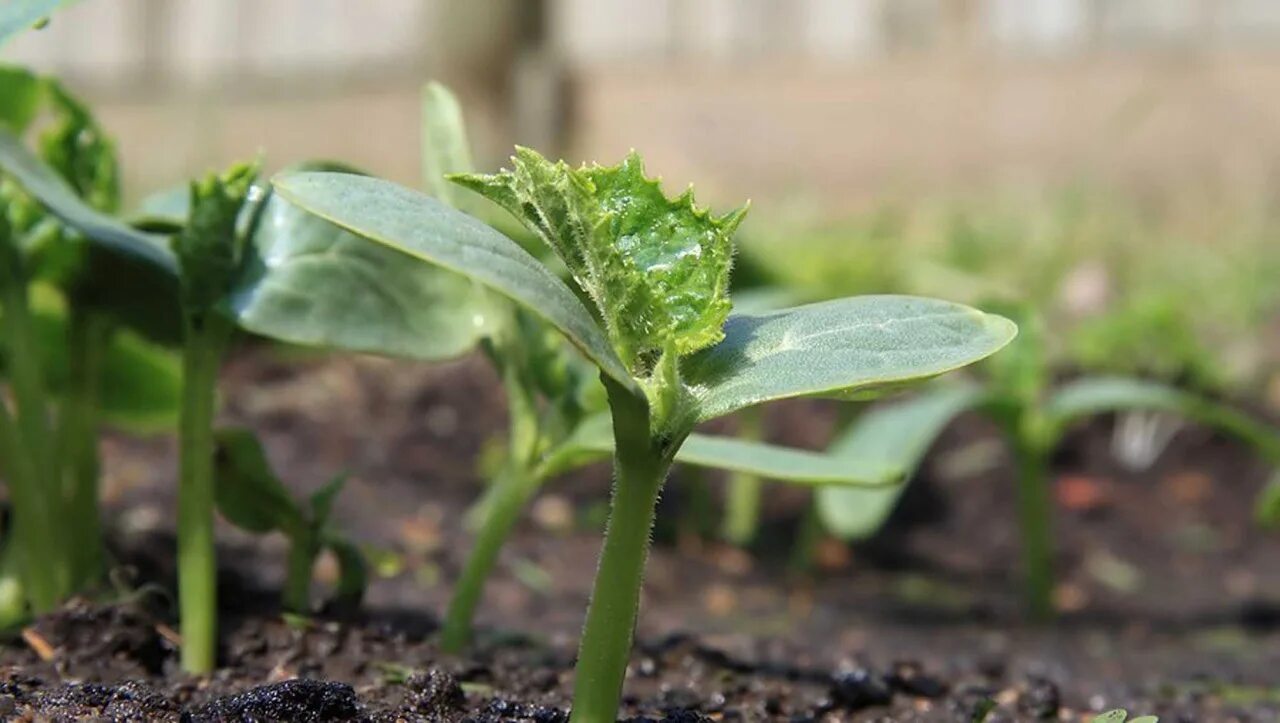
[
  {"x": 78, "y": 443},
  {"x": 640, "y": 468},
  {"x": 33, "y": 530},
  {"x": 24, "y": 442},
  {"x": 197, "y": 559},
  {"x": 297, "y": 581},
  {"x": 511, "y": 493},
  {"x": 804, "y": 550},
  {"x": 1035, "y": 517},
  {"x": 742, "y": 501}
]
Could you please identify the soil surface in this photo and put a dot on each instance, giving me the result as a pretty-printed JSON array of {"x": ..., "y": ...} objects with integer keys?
[{"x": 1168, "y": 595}]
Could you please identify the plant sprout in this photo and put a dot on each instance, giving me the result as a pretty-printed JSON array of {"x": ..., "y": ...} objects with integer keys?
[
  {"x": 557, "y": 407},
  {"x": 73, "y": 349},
  {"x": 241, "y": 260},
  {"x": 251, "y": 496},
  {"x": 655, "y": 272},
  {"x": 1018, "y": 395}
]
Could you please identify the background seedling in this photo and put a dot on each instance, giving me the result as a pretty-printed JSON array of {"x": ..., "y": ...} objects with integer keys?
[
  {"x": 243, "y": 260},
  {"x": 251, "y": 496},
  {"x": 73, "y": 353},
  {"x": 656, "y": 272},
  {"x": 1018, "y": 394}
]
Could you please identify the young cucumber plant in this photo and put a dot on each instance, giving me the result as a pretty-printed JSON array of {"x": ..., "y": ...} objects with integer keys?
[
  {"x": 241, "y": 259},
  {"x": 250, "y": 495},
  {"x": 1034, "y": 416},
  {"x": 557, "y": 408},
  {"x": 656, "y": 273},
  {"x": 73, "y": 354}
]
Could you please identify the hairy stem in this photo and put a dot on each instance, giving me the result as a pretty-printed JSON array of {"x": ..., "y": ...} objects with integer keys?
[
  {"x": 640, "y": 468},
  {"x": 1035, "y": 517},
  {"x": 78, "y": 443},
  {"x": 511, "y": 493},
  {"x": 197, "y": 560}
]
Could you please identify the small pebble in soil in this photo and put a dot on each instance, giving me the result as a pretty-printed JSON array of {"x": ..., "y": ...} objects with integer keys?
[
  {"x": 909, "y": 678},
  {"x": 312, "y": 701},
  {"x": 860, "y": 688},
  {"x": 1040, "y": 699}
]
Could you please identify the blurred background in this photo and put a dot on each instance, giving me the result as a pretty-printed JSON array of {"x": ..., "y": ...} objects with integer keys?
[{"x": 1114, "y": 162}]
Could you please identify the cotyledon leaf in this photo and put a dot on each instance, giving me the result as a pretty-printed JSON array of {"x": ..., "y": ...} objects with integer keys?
[
  {"x": 132, "y": 275},
  {"x": 425, "y": 229},
  {"x": 1097, "y": 395},
  {"x": 19, "y": 15},
  {"x": 307, "y": 281},
  {"x": 594, "y": 440},
  {"x": 839, "y": 348},
  {"x": 900, "y": 433}
]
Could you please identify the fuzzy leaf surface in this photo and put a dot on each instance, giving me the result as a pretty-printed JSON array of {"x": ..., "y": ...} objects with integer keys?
[
  {"x": 426, "y": 230},
  {"x": 842, "y": 348},
  {"x": 656, "y": 268}
]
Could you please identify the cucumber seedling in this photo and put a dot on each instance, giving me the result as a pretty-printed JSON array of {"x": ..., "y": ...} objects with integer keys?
[
  {"x": 79, "y": 322},
  {"x": 1018, "y": 395},
  {"x": 241, "y": 260},
  {"x": 557, "y": 410},
  {"x": 655, "y": 273}
]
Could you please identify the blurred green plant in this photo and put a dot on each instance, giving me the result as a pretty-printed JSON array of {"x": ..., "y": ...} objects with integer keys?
[
  {"x": 1018, "y": 392},
  {"x": 74, "y": 352},
  {"x": 252, "y": 497}
]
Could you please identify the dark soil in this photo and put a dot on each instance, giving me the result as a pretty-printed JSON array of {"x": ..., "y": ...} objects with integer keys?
[{"x": 1168, "y": 594}]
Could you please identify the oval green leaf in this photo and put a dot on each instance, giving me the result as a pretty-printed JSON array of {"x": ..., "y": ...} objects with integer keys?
[
  {"x": 900, "y": 433},
  {"x": 307, "y": 281},
  {"x": 840, "y": 348},
  {"x": 1098, "y": 395},
  {"x": 426, "y": 229},
  {"x": 593, "y": 440},
  {"x": 131, "y": 274}
]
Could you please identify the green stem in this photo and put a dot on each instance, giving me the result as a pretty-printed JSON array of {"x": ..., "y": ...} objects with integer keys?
[
  {"x": 742, "y": 503},
  {"x": 297, "y": 582},
  {"x": 511, "y": 493},
  {"x": 24, "y": 443},
  {"x": 197, "y": 559},
  {"x": 804, "y": 550},
  {"x": 78, "y": 443},
  {"x": 1035, "y": 517},
  {"x": 33, "y": 531},
  {"x": 641, "y": 467}
]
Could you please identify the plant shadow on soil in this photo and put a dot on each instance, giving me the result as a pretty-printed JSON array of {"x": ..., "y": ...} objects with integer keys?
[{"x": 1169, "y": 596}]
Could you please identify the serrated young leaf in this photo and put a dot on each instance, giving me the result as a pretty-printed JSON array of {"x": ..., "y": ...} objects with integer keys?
[
  {"x": 656, "y": 268},
  {"x": 207, "y": 248},
  {"x": 81, "y": 151}
]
